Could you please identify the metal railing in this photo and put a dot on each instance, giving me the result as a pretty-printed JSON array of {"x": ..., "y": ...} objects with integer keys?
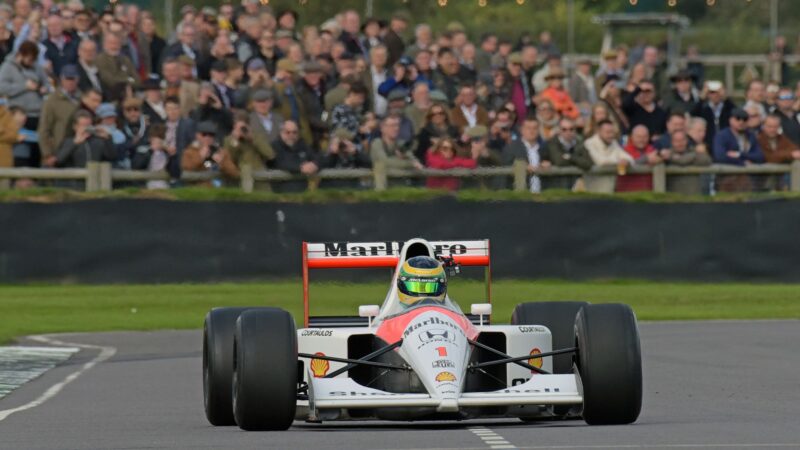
[{"x": 99, "y": 176}]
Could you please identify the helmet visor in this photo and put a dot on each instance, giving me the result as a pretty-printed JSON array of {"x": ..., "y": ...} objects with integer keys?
[{"x": 422, "y": 287}]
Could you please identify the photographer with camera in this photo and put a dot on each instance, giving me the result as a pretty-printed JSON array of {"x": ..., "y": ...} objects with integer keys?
[
  {"x": 403, "y": 77},
  {"x": 205, "y": 155},
  {"x": 243, "y": 148},
  {"x": 88, "y": 143},
  {"x": 211, "y": 109},
  {"x": 344, "y": 152}
]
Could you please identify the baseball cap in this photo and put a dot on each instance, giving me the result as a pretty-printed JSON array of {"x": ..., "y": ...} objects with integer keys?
[
  {"x": 740, "y": 113},
  {"x": 70, "y": 71},
  {"x": 106, "y": 110},
  {"x": 714, "y": 86}
]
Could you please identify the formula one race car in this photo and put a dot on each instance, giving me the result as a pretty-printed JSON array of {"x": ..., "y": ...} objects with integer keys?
[{"x": 418, "y": 356}]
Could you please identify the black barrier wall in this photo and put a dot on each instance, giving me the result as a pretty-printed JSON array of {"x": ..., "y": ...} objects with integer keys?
[{"x": 162, "y": 241}]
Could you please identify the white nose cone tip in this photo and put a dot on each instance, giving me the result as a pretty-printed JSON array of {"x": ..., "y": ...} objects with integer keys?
[{"x": 436, "y": 347}]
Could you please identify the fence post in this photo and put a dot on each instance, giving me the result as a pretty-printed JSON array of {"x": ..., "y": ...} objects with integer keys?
[
  {"x": 92, "y": 176},
  {"x": 660, "y": 178},
  {"x": 379, "y": 175},
  {"x": 246, "y": 178},
  {"x": 520, "y": 169},
  {"x": 794, "y": 181},
  {"x": 104, "y": 176}
]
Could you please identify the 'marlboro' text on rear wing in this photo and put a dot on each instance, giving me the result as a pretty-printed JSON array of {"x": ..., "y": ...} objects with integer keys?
[{"x": 358, "y": 255}]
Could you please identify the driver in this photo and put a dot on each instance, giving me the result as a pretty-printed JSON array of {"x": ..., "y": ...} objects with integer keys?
[{"x": 421, "y": 278}]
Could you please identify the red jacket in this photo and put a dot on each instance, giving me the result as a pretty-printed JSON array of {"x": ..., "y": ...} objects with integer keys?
[
  {"x": 435, "y": 160},
  {"x": 642, "y": 182}
]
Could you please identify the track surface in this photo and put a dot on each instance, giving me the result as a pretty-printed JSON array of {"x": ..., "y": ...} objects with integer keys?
[{"x": 707, "y": 385}]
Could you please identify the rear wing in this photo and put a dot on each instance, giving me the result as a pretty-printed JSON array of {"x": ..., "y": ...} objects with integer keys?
[{"x": 362, "y": 255}]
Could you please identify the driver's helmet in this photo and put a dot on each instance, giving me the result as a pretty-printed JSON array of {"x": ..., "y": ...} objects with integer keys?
[{"x": 421, "y": 278}]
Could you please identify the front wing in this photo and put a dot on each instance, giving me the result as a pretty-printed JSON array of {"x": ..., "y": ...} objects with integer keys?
[{"x": 332, "y": 393}]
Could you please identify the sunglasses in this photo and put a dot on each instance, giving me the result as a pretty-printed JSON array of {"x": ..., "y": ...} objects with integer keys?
[
  {"x": 446, "y": 147},
  {"x": 207, "y": 134},
  {"x": 290, "y": 131},
  {"x": 646, "y": 91},
  {"x": 132, "y": 108},
  {"x": 740, "y": 119},
  {"x": 568, "y": 129},
  {"x": 437, "y": 113}
]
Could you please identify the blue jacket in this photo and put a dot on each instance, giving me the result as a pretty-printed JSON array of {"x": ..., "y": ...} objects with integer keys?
[{"x": 725, "y": 141}]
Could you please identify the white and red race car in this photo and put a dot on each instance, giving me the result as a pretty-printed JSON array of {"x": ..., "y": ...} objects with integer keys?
[{"x": 427, "y": 362}]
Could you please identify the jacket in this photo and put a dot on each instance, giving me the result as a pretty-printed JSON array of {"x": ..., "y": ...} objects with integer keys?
[
  {"x": 655, "y": 120},
  {"x": 255, "y": 152},
  {"x": 782, "y": 151},
  {"x": 394, "y": 156},
  {"x": 459, "y": 120},
  {"x": 604, "y": 155},
  {"x": 95, "y": 148},
  {"x": 67, "y": 54},
  {"x": 258, "y": 130},
  {"x": 559, "y": 156},
  {"x": 562, "y": 102},
  {"x": 192, "y": 161},
  {"x": 13, "y": 77},
  {"x": 725, "y": 141},
  {"x": 702, "y": 109},
  {"x": 435, "y": 160},
  {"x": 8, "y": 137},
  {"x": 115, "y": 73},
  {"x": 284, "y": 93},
  {"x": 636, "y": 182},
  {"x": 687, "y": 184},
  {"x": 55, "y": 121}
]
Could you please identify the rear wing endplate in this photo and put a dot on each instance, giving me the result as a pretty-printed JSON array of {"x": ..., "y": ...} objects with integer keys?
[{"x": 361, "y": 255}]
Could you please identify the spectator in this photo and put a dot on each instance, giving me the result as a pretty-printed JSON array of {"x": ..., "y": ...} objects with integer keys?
[
  {"x": 351, "y": 24},
  {"x": 696, "y": 129},
  {"x": 344, "y": 152},
  {"x": 87, "y": 143},
  {"x": 397, "y": 107},
  {"x": 393, "y": 40},
  {"x": 483, "y": 55},
  {"x": 211, "y": 109},
  {"x": 374, "y": 77},
  {"x": 153, "y": 102},
  {"x": 447, "y": 76},
  {"x": 133, "y": 125},
  {"x": 24, "y": 83},
  {"x": 522, "y": 91},
  {"x": 107, "y": 122},
  {"x": 641, "y": 108},
  {"x": 558, "y": 96},
  {"x": 346, "y": 115},
  {"x": 643, "y": 153},
  {"x": 540, "y": 77},
  {"x": 286, "y": 97},
  {"x": 582, "y": 87},
  {"x": 155, "y": 156},
  {"x": 417, "y": 110},
  {"x": 311, "y": 90},
  {"x": 437, "y": 127},
  {"x": 87, "y": 68},
  {"x": 777, "y": 148},
  {"x": 403, "y": 78},
  {"x": 115, "y": 70},
  {"x": 529, "y": 149},
  {"x": 738, "y": 146},
  {"x": 755, "y": 117},
  {"x": 84, "y": 29},
  {"x": 609, "y": 69},
  {"x": 715, "y": 108},
  {"x": 503, "y": 130},
  {"x": 611, "y": 98},
  {"x": 681, "y": 153},
  {"x": 264, "y": 122},
  {"x": 62, "y": 49},
  {"x": 468, "y": 113},
  {"x": 675, "y": 122},
  {"x": 25, "y": 145},
  {"x": 371, "y": 33},
  {"x": 294, "y": 156},
  {"x": 771, "y": 97},
  {"x": 423, "y": 40},
  {"x": 443, "y": 156},
  {"x": 547, "y": 118},
  {"x": 57, "y": 112},
  {"x": 179, "y": 134},
  {"x": 755, "y": 95},
  {"x": 786, "y": 111},
  {"x": 389, "y": 150},
  {"x": 682, "y": 99},
  {"x": 9, "y": 135},
  {"x": 606, "y": 152},
  {"x": 185, "y": 45},
  {"x": 565, "y": 150},
  {"x": 205, "y": 155},
  {"x": 244, "y": 148},
  {"x": 155, "y": 43}
]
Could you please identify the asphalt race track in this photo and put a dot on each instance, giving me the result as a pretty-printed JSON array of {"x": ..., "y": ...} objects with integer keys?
[{"x": 707, "y": 385}]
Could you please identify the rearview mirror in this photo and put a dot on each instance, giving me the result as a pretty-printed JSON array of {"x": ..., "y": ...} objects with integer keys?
[
  {"x": 481, "y": 309},
  {"x": 369, "y": 311}
]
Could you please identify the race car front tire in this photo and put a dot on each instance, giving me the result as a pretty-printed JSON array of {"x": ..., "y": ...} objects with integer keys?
[
  {"x": 609, "y": 362},
  {"x": 218, "y": 364},
  {"x": 265, "y": 370}
]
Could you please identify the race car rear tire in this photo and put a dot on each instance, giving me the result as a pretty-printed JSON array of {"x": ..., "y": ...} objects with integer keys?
[
  {"x": 559, "y": 317},
  {"x": 218, "y": 364},
  {"x": 609, "y": 362},
  {"x": 265, "y": 370}
]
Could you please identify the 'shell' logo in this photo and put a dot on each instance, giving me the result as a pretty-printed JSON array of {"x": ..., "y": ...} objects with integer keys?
[
  {"x": 320, "y": 367},
  {"x": 445, "y": 376},
  {"x": 535, "y": 362}
]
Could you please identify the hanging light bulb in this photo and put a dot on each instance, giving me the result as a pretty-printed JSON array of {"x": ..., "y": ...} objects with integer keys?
[
  {"x": 442, "y": 2},
  {"x": 633, "y": 2},
  {"x": 520, "y": 2},
  {"x": 672, "y": 3},
  {"x": 711, "y": 2},
  {"x": 482, "y": 3}
]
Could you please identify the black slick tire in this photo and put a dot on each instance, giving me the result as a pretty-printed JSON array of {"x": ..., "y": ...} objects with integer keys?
[
  {"x": 609, "y": 361},
  {"x": 265, "y": 370}
]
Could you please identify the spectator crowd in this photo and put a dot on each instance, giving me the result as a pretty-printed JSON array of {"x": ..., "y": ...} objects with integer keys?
[{"x": 246, "y": 85}]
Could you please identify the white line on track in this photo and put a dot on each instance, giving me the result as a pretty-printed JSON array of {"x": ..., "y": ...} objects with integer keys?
[
  {"x": 490, "y": 438},
  {"x": 615, "y": 446},
  {"x": 52, "y": 391}
]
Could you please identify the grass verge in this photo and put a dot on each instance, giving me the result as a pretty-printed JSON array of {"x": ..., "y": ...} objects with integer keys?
[{"x": 33, "y": 309}]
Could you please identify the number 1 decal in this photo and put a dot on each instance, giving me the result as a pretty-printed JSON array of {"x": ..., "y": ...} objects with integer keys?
[{"x": 442, "y": 351}]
